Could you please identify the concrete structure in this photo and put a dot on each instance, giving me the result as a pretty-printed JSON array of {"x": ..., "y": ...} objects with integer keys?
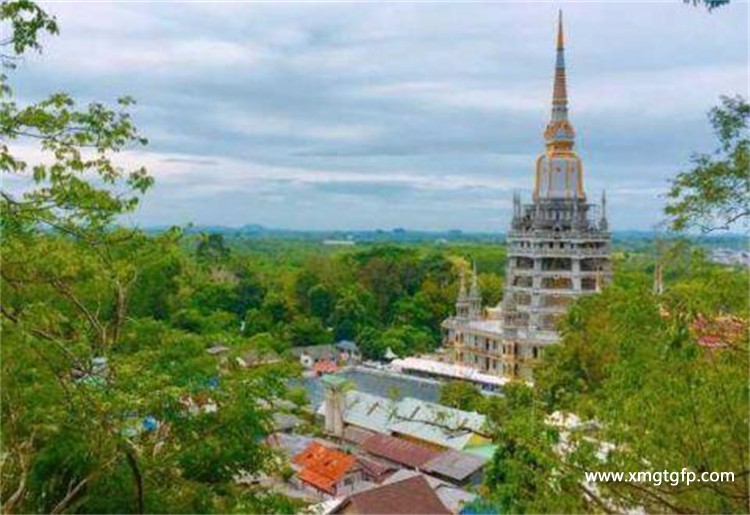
[
  {"x": 334, "y": 404},
  {"x": 558, "y": 249}
]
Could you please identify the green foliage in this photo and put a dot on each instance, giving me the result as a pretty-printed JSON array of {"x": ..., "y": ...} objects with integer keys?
[
  {"x": 709, "y": 4},
  {"x": 25, "y": 21},
  {"x": 631, "y": 361},
  {"x": 298, "y": 396},
  {"x": 211, "y": 249},
  {"x": 307, "y": 331},
  {"x": 461, "y": 395},
  {"x": 95, "y": 368},
  {"x": 715, "y": 193}
]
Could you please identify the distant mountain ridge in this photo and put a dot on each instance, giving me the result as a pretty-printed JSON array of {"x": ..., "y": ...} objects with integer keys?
[{"x": 400, "y": 234}]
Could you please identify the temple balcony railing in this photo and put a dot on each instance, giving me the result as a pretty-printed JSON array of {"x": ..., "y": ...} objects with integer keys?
[
  {"x": 514, "y": 251},
  {"x": 555, "y": 273},
  {"x": 523, "y": 335},
  {"x": 548, "y": 291},
  {"x": 527, "y": 308},
  {"x": 541, "y": 234},
  {"x": 495, "y": 354}
]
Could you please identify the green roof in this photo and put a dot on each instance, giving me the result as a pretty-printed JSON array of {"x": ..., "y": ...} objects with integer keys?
[
  {"x": 333, "y": 380},
  {"x": 485, "y": 451},
  {"x": 428, "y": 421}
]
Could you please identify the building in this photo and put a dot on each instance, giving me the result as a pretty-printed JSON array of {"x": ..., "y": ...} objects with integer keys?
[
  {"x": 399, "y": 451},
  {"x": 344, "y": 352},
  {"x": 329, "y": 471},
  {"x": 411, "y": 495},
  {"x": 558, "y": 249},
  {"x": 426, "y": 423},
  {"x": 458, "y": 468},
  {"x": 432, "y": 369}
]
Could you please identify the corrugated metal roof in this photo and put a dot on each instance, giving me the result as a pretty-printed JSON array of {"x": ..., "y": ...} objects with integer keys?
[
  {"x": 347, "y": 345},
  {"x": 454, "y": 498},
  {"x": 399, "y": 450},
  {"x": 412, "y": 495},
  {"x": 316, "y": 351},
  {"x": 428, "y": 421},
  {"x": 441, "y": 425},
  {"x": 356, "y": 435},
  {"x": 448, "y": 370},
  {"x": 454, "y": 465},
  {"x": 368, "y": 411},
  {"x": 291, "y": 444},
  {"x": 444, "y": 416},
  {"x": 374, "y": 468}
]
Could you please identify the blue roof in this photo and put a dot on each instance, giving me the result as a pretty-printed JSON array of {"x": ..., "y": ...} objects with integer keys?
[{"x": 347, "y": 345}]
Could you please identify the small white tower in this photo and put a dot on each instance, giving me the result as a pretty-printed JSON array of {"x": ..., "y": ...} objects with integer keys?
[
  {"x": 335, "y": 399},
  {"x": 475, "y": 296}
]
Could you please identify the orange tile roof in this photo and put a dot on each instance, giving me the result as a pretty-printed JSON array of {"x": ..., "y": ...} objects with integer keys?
[
  {"x": 325, "y": 367},
  {"x": 323, "y": 467},
  {"x": 718, "y": 332}
]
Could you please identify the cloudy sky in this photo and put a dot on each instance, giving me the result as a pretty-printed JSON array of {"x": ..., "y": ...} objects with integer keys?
[{"x": 419, "y": 115}]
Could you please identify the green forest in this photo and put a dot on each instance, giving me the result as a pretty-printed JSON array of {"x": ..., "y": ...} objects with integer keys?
[{"x": 106, "y": 325}]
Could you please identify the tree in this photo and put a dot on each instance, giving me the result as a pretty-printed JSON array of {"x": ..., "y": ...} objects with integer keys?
[
  {"x": 461, "y": 395},
  {"x": 321, "y": 301},
  {"x": 93, "y": 397},
  {"x": 354, "y": 310},
  {"x": 212, "y": 249},
  {"x": 633, "y": 363},
  {"x": 709, "y": 4},
  {"x": 404, "y": 340},
  {"x": 304, "y": 331},
  {"x": 715, "y": 193}
]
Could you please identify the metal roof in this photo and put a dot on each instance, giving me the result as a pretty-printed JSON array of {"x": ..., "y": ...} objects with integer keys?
[
  {"x": 333, "y": 380},
  {"x": 448, "y": 370},
  {"x": 290, "y": 444},
  {"x": 356, "y": 435},
  {"x": 453, "y": 497},
  {"x": 368, "y": 411},
  {"x": 347, "y": 345},
  {"x": 454, "y": 465},
  {"x": 434, "y": 423},
  {"x": 399, "y": 450},
  {"x": 325, "y": 351},
  {"x": 427, "y": 421},
  {"x": 412, "y": 495}
]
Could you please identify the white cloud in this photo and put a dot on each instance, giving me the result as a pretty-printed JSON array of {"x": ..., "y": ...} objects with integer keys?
[{"x": 291, "y": 114}]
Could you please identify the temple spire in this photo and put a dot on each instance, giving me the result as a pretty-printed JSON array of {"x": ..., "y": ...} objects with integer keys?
[
  {"x": 462, "y": 302},
  {"x": 559, "y": 173},
  {"x": 560, "y": 89},
  {"x": 475, "y": 296},
  {"x": 462, "y": 287},
  {"x": 474, "y": 292}
]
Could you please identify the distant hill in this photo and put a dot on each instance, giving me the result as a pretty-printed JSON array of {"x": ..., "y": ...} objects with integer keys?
[{"x": 628, "y": 238}]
